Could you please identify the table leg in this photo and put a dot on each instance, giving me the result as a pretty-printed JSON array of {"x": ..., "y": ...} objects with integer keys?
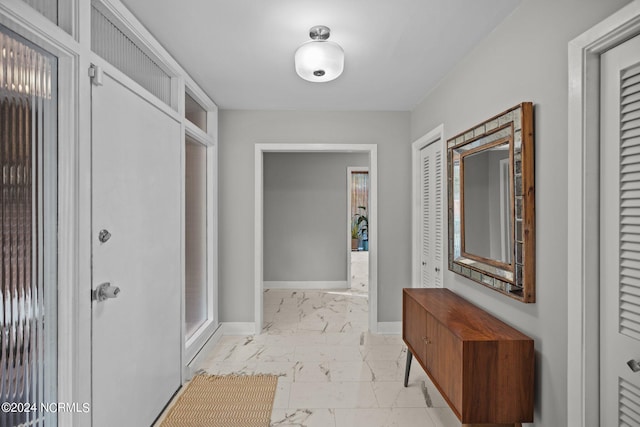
[{"x": 407, "y": 367}]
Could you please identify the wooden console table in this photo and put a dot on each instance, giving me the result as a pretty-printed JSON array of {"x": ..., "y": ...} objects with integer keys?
[{"x": 483, "y": 367}]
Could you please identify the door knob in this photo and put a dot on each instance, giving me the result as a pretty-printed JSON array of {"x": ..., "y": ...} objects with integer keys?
[
  {"x": 104, "y": 236},
  {"x": 105, "y": 291},
  {"x": 437, "y": 269},
  {"x": 424, "y": 263},
  {"x": 634, "y": 364}
]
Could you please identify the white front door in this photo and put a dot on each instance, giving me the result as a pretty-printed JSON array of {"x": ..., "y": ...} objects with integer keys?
[
  {"x": 136, "y": 336},
  {"x": 620, "y": 236},
  {"x": 431, "y": 203}
]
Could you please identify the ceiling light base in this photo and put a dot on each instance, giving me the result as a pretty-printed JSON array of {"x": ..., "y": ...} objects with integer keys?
[{"x": 319, "y": 32}]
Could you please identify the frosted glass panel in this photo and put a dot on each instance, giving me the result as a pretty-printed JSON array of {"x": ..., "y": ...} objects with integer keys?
[
  {"x": 108, "y": 41},
  {"x": 194, "y": 112},
  {"x": 49, "y": 8},
  {"x": 27, "y": 230},
  {"x": 196, "y": 236}
]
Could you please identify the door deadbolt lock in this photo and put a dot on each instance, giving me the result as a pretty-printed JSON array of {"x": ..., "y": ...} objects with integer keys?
[
  {"x": 104, "y": 236},
  {"x": 105, "y": 291},
  {"x": 634, "y": 364}
]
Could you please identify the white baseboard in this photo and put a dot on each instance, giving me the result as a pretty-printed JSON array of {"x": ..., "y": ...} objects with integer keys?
[
  {"x": 339, "y": 284},
  {"x": 389, "y": 328},
  {"x": 238, "y": 328},
  {"x": 196, "y": 362}
]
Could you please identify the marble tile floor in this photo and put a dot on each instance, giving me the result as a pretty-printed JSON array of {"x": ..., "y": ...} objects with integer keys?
[{"x": 332, "y": 371}]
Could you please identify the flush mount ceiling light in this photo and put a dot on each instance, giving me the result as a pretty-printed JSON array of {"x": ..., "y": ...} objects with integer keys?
[{"x": 319, "y": 60}]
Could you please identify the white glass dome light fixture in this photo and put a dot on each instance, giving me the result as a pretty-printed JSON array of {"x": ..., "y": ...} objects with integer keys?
[{"x": 319, "y": 60}]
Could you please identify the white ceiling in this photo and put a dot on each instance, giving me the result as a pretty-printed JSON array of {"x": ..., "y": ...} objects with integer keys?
[{"x": 241, "y": 51}]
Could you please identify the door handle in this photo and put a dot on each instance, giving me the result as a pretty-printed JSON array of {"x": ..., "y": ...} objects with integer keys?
[
  {"x": 105, "y": 291},
  {"x": 104, "y": 236},
  {"x": 437, "y": 269},
  {"x": 424, "y": 263},
  {"x": 634, "y": 364}
]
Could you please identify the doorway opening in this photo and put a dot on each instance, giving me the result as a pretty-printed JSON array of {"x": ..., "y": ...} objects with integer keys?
[
  {"x": 358, "y": 233},
  {"x": 259, "y": 242}
]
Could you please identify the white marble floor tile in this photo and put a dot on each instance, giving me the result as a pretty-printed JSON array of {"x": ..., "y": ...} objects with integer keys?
[
  {"x": 332, "y": 395},
  {"x": 396, "y": 395},
  {"x": 326, "y": 353},
  {"x": 432, "y": 395},
  {"x": 344, "y": 338},
  {"x": 282, "y": 397},
  {"x": 276, "y": 353},
  {"x": 385, "y": 352},
  {"x": 387, "y": 370},
  {"x": 350, "y": 371},
  {"x": 235, "y": 340},
  {"x": 303, "y": 417},
  {"x": 444, "y": 417},
  {"x": 284, "y": 370},
  {"x": 312, "y": 372},
  {"x": 369, "y": 339},
  {"x": 383, "y": 417},
  {"x": 417, "y": 378},
  {"x": 230, "y": 368},
  {"x": 332, "y": 371}
]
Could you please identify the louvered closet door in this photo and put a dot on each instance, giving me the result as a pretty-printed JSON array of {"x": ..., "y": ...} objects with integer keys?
[
  {"x": 431, "y": 215},
  {"x": 620, "y": 235}
]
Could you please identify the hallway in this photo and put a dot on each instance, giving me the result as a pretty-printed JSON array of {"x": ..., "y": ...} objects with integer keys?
[{"x": 332, "y": 371}]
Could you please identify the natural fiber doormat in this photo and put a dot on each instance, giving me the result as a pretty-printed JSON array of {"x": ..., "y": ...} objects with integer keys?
[{"x": 224, "y": 401}]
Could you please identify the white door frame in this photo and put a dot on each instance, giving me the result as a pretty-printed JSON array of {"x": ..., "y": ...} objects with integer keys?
[
  {"x": 372, "y": 151},
  {"x": 73, "y": 309},
  {"x": 199, "y": 338},
  {"x": 350, "y": 170},
  {"x": 433, "y": 136},
  {"x": 583, "y": 365}
]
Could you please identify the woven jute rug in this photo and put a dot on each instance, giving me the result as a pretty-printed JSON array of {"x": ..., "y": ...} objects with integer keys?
[{"x": 224, "y": 401}]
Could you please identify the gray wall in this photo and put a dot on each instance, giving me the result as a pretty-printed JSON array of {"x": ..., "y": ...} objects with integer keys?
[
  {"x": 238, "y": 134},
  {"x": 525, "y": 59},
  {"x": 305, "y": 215}
]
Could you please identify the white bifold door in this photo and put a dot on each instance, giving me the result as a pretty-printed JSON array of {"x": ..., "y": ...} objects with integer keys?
[
  {"x": 136, "y": 208},
  {"x": 620, "y": 236},
  {"x": 431, "y": 219}
]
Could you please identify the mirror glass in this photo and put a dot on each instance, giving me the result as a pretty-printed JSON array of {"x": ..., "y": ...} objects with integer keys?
[
  {"x": 487, "y": 207},
  {"x": 492, "y": 204}
]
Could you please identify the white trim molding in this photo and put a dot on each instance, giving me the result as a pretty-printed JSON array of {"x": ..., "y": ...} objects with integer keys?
[
  {"x": 583, "y": 365},
  {"x": 372, "y": 151},
  {"x": 390, "y": 328},
  {"x": 294, "y": 284},
  {"x": 197, "y": 362},
  {"x": 238, "y": 328},
  {"x": 436, "y": 135}
]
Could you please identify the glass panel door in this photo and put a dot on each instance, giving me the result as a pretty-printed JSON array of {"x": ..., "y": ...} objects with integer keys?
[
  {"x": 28, "y": 146},
  {"x": 196, "y": 312}
]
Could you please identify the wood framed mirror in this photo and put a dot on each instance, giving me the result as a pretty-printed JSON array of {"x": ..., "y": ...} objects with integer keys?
[{"x": 492, "y": 203}]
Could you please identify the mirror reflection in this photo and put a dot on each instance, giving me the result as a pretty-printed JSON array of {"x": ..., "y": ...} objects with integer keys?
[{"x": 487, "y": 207}]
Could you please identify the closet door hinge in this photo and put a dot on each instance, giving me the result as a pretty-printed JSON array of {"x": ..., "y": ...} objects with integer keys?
[{"x": 96, "y": 73}]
